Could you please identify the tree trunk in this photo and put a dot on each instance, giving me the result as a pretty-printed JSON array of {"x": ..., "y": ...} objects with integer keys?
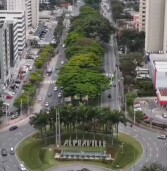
[
  {"x": 117, "y": 130},
  {"x": 94, "y": 129},
  {"x": 103, "y": 127},
  {"x": 83, "y": 130},
  {"x": 70, "y": 131},
  {"x": 45, "y": 135}
]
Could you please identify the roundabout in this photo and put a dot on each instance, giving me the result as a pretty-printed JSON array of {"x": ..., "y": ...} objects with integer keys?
[{"x": 36, "y": 156}]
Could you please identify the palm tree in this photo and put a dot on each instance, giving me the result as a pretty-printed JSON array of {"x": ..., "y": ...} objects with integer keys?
[
  {"x": 40, "y": 121},
  {"x": 67, "y": 117},
  {"x": 154, "y": 167},
  {"x": 117, "y": 117},
  {"x": 82, "y": 117},
  {"x": 103, "y": 113}
]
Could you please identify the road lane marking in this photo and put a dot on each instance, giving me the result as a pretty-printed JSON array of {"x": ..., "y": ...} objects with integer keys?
[
  {"x": 150, "y": 149},
  {"x": 144, "y": 139},
  {"x": 157, "y": 155},
  {"x": 157, "y": 149},
  {"x": 150, "y": 154},
  {"x": 7, "y": 167},
  {"x": 148, "y": 144},
  {"x": 149, "y": 138}
]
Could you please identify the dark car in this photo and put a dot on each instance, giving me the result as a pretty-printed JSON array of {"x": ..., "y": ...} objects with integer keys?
[
  {"x": 49, "y": 94},
  {"x": 13, "y": 128},
  {"x": 109, "y": 95},
  {"x": 4, "y": 152}
]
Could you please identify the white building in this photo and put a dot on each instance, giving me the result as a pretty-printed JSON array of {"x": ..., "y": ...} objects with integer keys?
[
  {"x": 158, "y": 73},
  {"x": 142, "y": 15},
  {"x": 19, "y": 27},
  {"x": 13, "y": 41},
  {"x": 31, "y": 8},
  {"x": 155, "y": 28}
]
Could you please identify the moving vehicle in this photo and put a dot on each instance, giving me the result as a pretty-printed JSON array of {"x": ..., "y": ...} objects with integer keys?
[
  {"x": 13, "y": 128},
  {"x": 46, "y": 104},
  {"x": 39, "y": 99},
  {"x": 4, "y": 152},
  {"x": 109, "y": 95},
  {"x": 60, "y": 95},
  {"x": 55, "y": 88},
  {"x": 62, "y": 62},
  {"x": 49, "y": 94},
  {"x": 164, "y": 115},
  {"x": 163, "y": 137},
  {"x": 14, "y": 116},
  {"x": 12, "y": 151},
  {"x": 22, "y": 167}
]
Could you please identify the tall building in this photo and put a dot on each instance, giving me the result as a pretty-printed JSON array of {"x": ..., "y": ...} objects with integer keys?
[
  {"x": 156, "y": 26},
  {"x": 13, "y": 41},
  {"x": 31, "y": 8},
  {"x": 142, "y": 15}
]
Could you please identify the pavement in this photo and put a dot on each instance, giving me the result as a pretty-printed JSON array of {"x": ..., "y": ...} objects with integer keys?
[{"x": 154, "y": 149}]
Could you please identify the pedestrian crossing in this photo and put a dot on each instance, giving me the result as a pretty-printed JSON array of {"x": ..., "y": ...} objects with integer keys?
[{"x": 49, "y": 82}]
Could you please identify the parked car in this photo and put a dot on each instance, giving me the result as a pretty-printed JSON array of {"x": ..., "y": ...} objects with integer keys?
[
  {"x": 14, "y": 116},
  {"x": 4, "y": 152},
  {"x": 39, "y": 99},
  {"x": 164, "y": 115},
  {"x": 13, "y": 128}
]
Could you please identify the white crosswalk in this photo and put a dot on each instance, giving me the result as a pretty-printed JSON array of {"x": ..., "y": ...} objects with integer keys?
[{"x": 49, "y": 82}]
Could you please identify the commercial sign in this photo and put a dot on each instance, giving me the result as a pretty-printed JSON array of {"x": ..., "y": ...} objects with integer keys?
[{"x": 85, "y": 143}]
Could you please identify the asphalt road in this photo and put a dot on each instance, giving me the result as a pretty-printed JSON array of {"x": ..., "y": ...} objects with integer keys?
[{"x": 154, "y": 149}]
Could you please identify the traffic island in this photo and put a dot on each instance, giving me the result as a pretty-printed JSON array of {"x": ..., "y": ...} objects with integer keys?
[{"x": 124, "y": 152}]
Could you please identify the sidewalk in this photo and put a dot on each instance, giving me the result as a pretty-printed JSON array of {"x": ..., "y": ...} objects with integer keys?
[{"x": 24, "y": 119}]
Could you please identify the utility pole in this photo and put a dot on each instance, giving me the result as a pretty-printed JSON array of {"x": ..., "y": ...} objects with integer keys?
[
  {"x": 6, "y": 114},
  {"x": 58, "y": 135},
  {"x": 28, "y": 101},
  {"x": 3, "y": 165},
  {"x": 21, "y": 106}
]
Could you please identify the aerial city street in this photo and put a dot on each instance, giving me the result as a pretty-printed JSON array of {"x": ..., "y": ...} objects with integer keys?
[{"x": 84, "y": 72}]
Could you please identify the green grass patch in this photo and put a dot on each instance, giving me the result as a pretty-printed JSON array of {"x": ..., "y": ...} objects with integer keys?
[
  {"x": 128, "y": 153},
  {"x": 37, "y": 157}
]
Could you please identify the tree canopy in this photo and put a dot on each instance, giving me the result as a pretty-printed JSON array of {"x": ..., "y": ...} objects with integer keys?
[{"x": 93, "y": 25}]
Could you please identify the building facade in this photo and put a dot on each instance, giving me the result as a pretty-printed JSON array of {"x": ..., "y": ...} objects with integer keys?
[
  {"x": 31, "y": 8},
  {"x": 13, "y": 41},
  {"x": 155, "y": 28}
]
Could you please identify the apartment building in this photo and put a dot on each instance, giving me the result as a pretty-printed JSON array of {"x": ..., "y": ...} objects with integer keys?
[
  {"x": 19, "y": 27},
  {"x": 156, "y": 28},
  {"x": 142, "y": 15},
  {"x": 31, "y": 8},
  {"x": 13, "y": 41}
]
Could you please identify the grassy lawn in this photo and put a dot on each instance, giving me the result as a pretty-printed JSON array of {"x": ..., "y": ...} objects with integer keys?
[{"x": 38, "y": 158}]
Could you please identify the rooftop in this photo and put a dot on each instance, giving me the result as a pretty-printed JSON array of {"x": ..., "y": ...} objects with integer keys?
[{"x": 44, "y": 13}]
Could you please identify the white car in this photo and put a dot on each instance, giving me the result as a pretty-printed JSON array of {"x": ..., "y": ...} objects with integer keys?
[
  {"x": 55, "y": 88},
  {"x": 22, "y": 167},
  {"x": 62, "y": 62},
  {"x": 46, "y": 104},
  {"x": 63, "y": 45},
  {"x": 39, "y": 99},
  {"x": 163, "y": 137},
  {"x": 60, "y": 95},
  {"x": 137, "y": 109}
]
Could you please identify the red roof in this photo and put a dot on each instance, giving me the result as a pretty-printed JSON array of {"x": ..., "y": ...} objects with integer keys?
[{"x": 163, "y": 91}]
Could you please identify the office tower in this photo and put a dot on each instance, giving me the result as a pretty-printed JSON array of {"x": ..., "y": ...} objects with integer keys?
[
  {"x": 142, "y": 15},
  {"x": 155, "y": 28},
  {"x": 31, "y": 8},
  {"x": 13, "y": 40}
]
